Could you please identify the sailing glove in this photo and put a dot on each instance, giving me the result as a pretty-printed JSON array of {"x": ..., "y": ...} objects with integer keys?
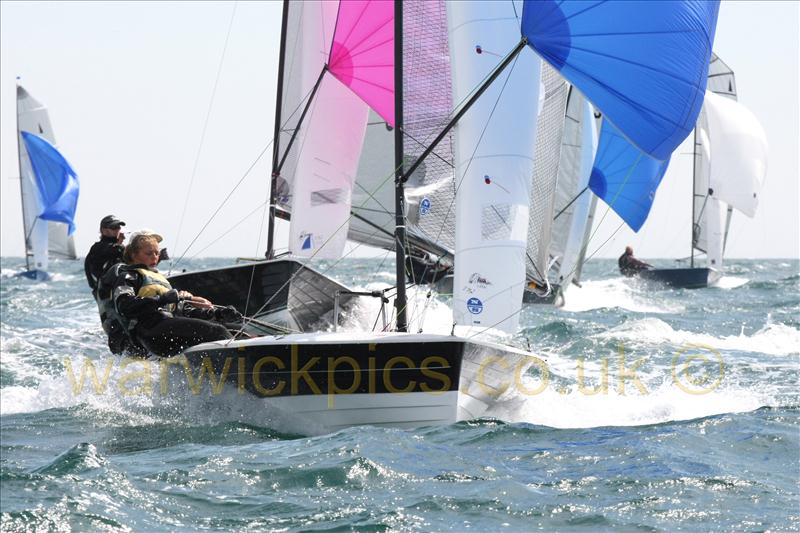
[{"x": 227, "y": 314}]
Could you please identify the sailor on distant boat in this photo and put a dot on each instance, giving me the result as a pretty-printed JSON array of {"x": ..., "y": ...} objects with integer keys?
[
  {"x": 629, "y": 265},
  {"x": 161, "y": 319}
]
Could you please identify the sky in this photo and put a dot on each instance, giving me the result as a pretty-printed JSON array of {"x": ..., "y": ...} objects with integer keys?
[{"x": 162, "y": 107}]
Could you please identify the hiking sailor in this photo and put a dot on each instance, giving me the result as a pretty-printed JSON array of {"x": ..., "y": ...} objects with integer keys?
[
  {"x": 629, "y": 265},
  {"x": 160, "y": 318}
]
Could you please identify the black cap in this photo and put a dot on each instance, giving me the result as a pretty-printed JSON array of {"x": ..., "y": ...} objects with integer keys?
[{"x": 111, "y": 222}]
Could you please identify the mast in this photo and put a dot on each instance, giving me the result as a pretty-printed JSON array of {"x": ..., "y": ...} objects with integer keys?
[
  {"x": 399, "y": 204},
  {"x": 694, "y": 189},
  {"x": 276, "y": 135},
  {"x": 21, "y": 187}
]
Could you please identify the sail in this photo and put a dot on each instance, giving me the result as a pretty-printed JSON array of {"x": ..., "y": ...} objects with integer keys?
[
  {"x": 494, "y": 163},
  {"x": 587, "y": 233},
  {"x": 326, "y": 169},
  {"x": 708, "y": 230},
  {"x": 57, "y": 183},
  {"x": 362, "y": 54},
  {"x": 642, "y": 63},
  {"x": 427, "y": 104},
  {"x": 573, "y": 199},
  {"x": 41, "y": 236},
  {"x": 308, "y": 35},
  {"x": 739, "y": 148},
  {"x": 721, "y": 79},
  {"x": 624, "y": 177},
  {"x": 553, "y": 102}
]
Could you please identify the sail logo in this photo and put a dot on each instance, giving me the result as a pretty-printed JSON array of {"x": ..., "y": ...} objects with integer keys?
[
  {"x": 425, "y": 206},
  {"x": 475, "y": 306},
  {"x": 476, "y": 281},
  {"x": 306, "y": 241}
]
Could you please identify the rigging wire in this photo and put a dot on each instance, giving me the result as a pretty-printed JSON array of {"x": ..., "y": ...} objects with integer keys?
[{"x": 205, "y": 128}]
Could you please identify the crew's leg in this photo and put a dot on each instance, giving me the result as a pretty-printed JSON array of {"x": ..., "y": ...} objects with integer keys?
[{"x": 173, "y": 335}]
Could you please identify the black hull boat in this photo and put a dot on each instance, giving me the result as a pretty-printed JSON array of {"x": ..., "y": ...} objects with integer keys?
[
  {"x": 681, "y": 278},
  {"x": 329, "y": 381},
  {"x": 282, "y": 292}
]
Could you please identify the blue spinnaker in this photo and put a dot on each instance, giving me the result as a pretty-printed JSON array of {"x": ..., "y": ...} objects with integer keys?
[
  {"x": 643, "y": 63},
  {"x": 56, "y": 181},
  {"x": 624, "y": 177}
]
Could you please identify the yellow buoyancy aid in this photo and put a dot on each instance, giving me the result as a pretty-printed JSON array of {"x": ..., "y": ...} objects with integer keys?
[{"x": 153, "y": 283}]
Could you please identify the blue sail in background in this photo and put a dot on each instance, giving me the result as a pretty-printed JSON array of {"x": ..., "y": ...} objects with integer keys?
[
  {"x": 643, "y": 63},
  {"x": 57, "y": 182},
  {"x": 624, "y": 177}
]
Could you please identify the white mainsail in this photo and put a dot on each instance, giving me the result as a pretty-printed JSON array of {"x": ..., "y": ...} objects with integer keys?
[
  {"x": 494, "y": 163},
  {"x": 326, "y": 170},
  {"x": 731, "y": 135},
  {"x": 41, "y": 237},
  {"x": 574, "y": 201},
  {"x": 323, "y": 166}
]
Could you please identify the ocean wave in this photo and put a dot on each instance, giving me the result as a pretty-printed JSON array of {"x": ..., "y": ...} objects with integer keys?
[
  {"x": 730, "y": 282},
  {"x": 616, "y": 293},
  {"x": 772, "y": 339},
  {"x": 571, "y": 407}
]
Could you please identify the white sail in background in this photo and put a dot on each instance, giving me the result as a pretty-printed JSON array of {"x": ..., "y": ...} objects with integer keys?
[
  {"x": 710, "y": 216},
  {"x": 321, "y": 167},
  {"x": 309, "y": 31},
  {"x": 579, "y": 146},
  {"x": 41, "y": 237},
  {"x": 326, "y": 170},
  {"x": 427, "y": 104},
  {"x": 739, "y": 149},
  {"x": 549, "y": 130},
  {"x": 494, "y": 163}
]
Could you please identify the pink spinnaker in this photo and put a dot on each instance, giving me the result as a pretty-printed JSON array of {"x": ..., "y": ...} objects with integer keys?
[{"x": 362, "y": 54}]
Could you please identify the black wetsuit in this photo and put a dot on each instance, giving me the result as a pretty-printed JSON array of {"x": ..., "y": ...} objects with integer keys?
[
  {"x": 102, "y": 255},
  {"x": 162, "y": 324},
  {"x": 630, "y": 266}
]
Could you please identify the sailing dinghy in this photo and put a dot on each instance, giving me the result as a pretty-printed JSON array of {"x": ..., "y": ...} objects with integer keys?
[
  {"x": 49, "y": 188},
  {"x": 730, "y": 163},
  {"x": 404, "y": 379}
]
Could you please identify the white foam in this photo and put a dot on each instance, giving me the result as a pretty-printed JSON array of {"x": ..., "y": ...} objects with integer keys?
[
  {"x": 614, "y": 293},
  {"x": 572, "y": 408},
  {"x": 730, "y": 282},
  {"x": 772, "y": 339}
]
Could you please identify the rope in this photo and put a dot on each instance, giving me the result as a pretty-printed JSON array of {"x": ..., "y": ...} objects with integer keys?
[{"x": 205, "y": 128}]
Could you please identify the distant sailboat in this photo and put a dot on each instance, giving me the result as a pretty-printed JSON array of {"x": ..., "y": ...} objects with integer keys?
[
  {"x": 49, "y": 188},
  {"x": 730, "y": 163}
]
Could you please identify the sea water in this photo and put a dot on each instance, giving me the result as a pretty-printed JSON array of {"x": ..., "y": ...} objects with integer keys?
[{"x": 652, "y": 410}]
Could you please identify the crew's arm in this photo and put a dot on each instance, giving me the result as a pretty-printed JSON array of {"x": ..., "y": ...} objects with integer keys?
[{"x": 130, "y": 305}]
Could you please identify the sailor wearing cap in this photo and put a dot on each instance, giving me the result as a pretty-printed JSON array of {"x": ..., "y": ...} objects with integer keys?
[{"x": 105, "y": 252}]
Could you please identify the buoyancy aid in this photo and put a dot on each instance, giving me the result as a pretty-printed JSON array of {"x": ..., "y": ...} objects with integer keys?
[{"x": 153, "y": 283}]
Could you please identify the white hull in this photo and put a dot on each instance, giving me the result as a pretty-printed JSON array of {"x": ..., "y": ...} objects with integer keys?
[{"x": 481, "y": 372}]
